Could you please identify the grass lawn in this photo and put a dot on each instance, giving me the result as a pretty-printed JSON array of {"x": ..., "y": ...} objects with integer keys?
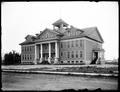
[{"x": 86, "y": 69}]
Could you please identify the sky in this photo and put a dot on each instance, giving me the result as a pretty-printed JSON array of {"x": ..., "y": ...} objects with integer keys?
[{"x": 18, "y": 19}]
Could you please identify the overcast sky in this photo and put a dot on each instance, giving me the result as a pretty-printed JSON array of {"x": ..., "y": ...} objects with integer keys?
[{"x": 22, "y": 18}]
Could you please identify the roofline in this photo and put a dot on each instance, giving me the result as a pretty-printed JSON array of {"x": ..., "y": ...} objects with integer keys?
[{"x": 100, "y": 35}]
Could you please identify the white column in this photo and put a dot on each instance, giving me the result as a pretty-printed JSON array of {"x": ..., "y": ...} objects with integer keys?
[
  {"x": 49, "y": 58},
  {"x": 41, "y": 53},
  {"x": 56, "y": 52},
  {"x": 35, "y": 59}
]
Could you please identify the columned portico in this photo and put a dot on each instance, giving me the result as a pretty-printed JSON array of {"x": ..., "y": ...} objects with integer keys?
[{"x": 52, "y": 53}]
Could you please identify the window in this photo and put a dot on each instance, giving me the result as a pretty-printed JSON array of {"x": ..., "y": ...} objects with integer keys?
[
  {"x": 68, "y": 33},
  {"x": 25, "y": 48},
  {"x": 68, "y": 61},
  {"x": 76, "y": 61},
  {"x": 61, "y": 45},
  {"x": 76, "y": 43},
  {"x": 68, "y": 45},
  {"x": 64, "y": 54},
  {"x": 46, "y": 35},
  {"x": 81, "y": 43},
  {"x": 72, "y": 44},
  {"x": 76, "y": 54},
  {"x": 72, "y": 61},
  {"x": 45, "y": 46},
  {"x": 61, "y": 53},
  {"x": 81, "y": 61},
  {"x": 72, "y": 54},
  {"x": 61, "y": 62},
  {"x": 23, "y": 57},
  {"x": 68, "y": 54},
  {"x": 64, "y": 44},
  {"x": 81, "y": 54},
  {"x": 30, "y": 57},
  {"x": 22, "y": 49},
  {"x": 30, "y": 48}
]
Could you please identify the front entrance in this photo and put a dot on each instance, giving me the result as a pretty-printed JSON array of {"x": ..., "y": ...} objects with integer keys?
[
  {"x": 95, "y": 54},
  {"x": 45, "y": 58}
]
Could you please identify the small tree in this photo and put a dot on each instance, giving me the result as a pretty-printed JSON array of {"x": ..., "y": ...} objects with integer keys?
[{"x": 12, "y": 58}]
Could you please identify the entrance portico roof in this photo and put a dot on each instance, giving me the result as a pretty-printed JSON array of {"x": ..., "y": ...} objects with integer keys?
[{"x": 98, "y": 49}]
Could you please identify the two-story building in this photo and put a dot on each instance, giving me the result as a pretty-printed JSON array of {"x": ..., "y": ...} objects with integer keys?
[{"x": 63, "y": 44}]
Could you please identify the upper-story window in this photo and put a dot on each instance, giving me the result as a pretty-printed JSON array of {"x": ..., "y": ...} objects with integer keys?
[
  {"x": 68, "y": 44},
  {"x": 81, "y": 54},
  {"x": 25, "y": 48},
  {"x": 68, "y": 33},
  {"x": 76, "y": 54},
  {"x": 30, "y": 57},
  {"x": 64, "y": 44},
  {"x": 76, "y": 43},
  {"x": 72, "y": 55},
  {"x": 81, "y": 43},
  {"x": 61, "y": 45},
  {"x": 46, "y": 35},
  {"x": 23, "y": 57},
  {"x": 68, "y": 54},
  {"x": 30, "y": 48},
  {"x": 64, "y": 54},
  {"x": 61, "y": 53},
  {"x": 22, "y": 49},
  {"x": 72, "y": 43}
]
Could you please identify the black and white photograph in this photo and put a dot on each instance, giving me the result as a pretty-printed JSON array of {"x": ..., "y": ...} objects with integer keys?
[{"x": 59, "y": 46}]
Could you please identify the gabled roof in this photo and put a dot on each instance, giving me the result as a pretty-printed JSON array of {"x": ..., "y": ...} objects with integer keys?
[
  {"x": 59, "y": 22},
  {"x": 91, "y": 33},
  {"x": 53, "y": 31}
]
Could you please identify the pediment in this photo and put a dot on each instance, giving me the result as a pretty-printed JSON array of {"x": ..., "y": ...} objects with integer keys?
[{"x": 47, "y": 34}]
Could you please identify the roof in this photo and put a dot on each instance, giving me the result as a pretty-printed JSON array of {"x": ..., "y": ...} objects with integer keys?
[
  {"x": 98, "y": 49},
  {"x": 27, "y": 42},
  {"x": 59, "y": 22},
  {"x": 93, "y": 33}
]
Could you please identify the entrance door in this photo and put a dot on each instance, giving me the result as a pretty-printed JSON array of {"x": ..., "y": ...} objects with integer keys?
[
  {"x": 45, "y": 58},
  {"x": 95, "y": 58}
]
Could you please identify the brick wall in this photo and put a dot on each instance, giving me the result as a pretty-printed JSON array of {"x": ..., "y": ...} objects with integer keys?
[
  {"x": 27, "y": 53},
  {"x": 90, "y": 45}
]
